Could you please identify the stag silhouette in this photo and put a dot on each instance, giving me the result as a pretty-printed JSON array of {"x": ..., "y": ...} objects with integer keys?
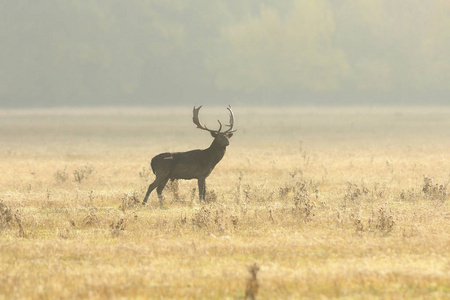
[{"x": 194, "y": 164}]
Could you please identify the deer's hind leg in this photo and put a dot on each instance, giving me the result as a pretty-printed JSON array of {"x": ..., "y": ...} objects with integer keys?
[
  {"x": 159, "y": 190},
  {"x": 159, "y": 181},
  {"x": 151, "y": 187}
]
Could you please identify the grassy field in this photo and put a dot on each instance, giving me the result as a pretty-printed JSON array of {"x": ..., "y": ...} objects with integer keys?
[{"x": 328, "y": 203}]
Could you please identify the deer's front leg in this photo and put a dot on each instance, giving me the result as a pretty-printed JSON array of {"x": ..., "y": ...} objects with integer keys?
[{"x": 201, "y": 189}]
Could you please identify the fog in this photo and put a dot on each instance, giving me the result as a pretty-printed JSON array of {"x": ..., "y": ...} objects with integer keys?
[{"x": 168, "y": 53}]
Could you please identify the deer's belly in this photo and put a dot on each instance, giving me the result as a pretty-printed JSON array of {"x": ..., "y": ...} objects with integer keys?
[{"x": 189, "y": 172}]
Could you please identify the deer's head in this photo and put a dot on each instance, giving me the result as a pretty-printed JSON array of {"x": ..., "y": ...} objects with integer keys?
[{"x": 221, "y": 137}]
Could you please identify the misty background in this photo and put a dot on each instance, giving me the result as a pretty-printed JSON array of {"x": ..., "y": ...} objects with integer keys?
[{"x": 150, "y": 53}]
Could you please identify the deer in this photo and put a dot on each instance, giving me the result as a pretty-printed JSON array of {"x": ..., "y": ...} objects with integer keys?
[{"x": 195, "y": 164}]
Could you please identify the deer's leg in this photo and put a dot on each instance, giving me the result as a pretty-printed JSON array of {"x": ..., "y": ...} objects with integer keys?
[
  {"x": 151, "y": 187},
  {"x": 201, "y": 189},
  {"x": 160, "y": 178},
  {"x": 160, "y": 188},
  {"x": 204, "y": 190}
]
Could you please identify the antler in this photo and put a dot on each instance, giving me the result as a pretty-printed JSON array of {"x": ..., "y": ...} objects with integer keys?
[
  {"x": 231, "y": 120},
  {"x": 196, "y": 121}
]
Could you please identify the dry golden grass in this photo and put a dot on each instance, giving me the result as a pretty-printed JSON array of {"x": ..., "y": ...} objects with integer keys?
[{"x": 329, "y": 203}]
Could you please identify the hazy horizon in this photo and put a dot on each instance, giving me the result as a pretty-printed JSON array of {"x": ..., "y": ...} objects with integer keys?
[{"x": 267, "y": 53}]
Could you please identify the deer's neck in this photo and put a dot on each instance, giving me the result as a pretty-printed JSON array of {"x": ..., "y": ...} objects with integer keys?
[{"x": 216, "y": 152}]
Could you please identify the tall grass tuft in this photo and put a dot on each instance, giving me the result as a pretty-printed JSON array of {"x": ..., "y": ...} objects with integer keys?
[{"x": 252, "y": 286}]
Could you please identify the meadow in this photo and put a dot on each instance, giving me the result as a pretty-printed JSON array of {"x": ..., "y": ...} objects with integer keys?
[{"x": 326, "y": 203}]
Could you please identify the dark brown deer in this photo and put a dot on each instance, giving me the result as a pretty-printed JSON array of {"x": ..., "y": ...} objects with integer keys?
[{"x": 195, "y": 164}]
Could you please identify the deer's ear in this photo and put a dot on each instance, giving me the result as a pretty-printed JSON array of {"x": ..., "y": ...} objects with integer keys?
[
  {"x": 213, "y": 134},
  {"x": 229, "y": 135}
]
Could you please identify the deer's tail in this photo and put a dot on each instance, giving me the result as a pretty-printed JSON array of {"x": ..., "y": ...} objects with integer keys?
[
  {"x": 161, "y": 162},
  {"x": 152, "y": 164}
]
